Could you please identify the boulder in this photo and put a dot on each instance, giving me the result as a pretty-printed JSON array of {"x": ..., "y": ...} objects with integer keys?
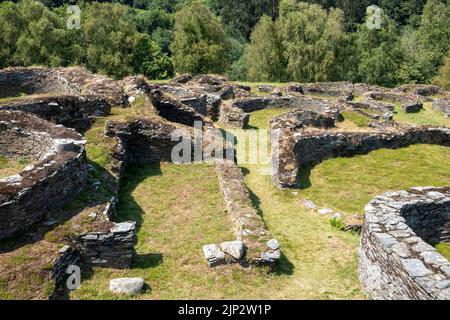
[
  {"x": 233, "y": 248},
  {"x": 214, "y": 255},
  {"x": 273, "y": 244},
  {"x": 412, "y": 107},
  {"x": 126, "y": 285}
]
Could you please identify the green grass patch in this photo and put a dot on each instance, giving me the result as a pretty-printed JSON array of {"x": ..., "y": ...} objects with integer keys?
[
  {"x": 444, "y": 249},
  {"x": 347, "y": 184},
  {"x": 360, "y": 120},
  {"x": 7, "y": 99},
  {"x": 427, "y": 116},
  {"x": 260, "y": 119}
]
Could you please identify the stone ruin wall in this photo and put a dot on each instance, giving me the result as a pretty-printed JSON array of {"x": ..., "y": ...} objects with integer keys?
[
  {"x": 248, "y": 225},
  {"x": 144, "y": 141},
  {"x": 69, "y": 96},
  {"x": 296, "y": 149},
  {"x": 16, "y": 142},
  {"x": 56, "y": 177},
  {"x": 396, "y": 260}
]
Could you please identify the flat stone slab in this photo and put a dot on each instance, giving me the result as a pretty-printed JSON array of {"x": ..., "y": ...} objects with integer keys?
[
  {"x": 126, "y": 285},
  {"x": 325, "y": 211},
  {"x": 415, "y": 268}
]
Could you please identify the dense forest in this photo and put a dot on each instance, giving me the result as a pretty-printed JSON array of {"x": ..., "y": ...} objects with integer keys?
[{"x": 251, "y": 40}]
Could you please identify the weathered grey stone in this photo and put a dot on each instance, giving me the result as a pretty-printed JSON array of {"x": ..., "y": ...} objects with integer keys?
[
  {"x": 411, "y": 268},
  {"x": 386, "y": 239},
  {"x": 415, "y": 267},
  {"x": 309, "y": 204},
  {"x": 402, "y": 250},
  {"x": 126, "y": 285},
  {"x": 54, "y": 181},
  {"x": 325, "y": 211},
  {"x": 443, "y": 284},
  {"x": 271, "y": 255},
  {"x": 214, "y": 255},
  {"x": 273, "y": 244},
  {"x": 434, "y": 258},
  {"x": 233, "y": 248}
]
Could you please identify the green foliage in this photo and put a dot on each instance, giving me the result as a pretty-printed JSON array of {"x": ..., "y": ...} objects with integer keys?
[
  {"x": 158, "y": 24},
  {"x": 264, "y": 54},
  {"x": 244, "y": 15},
  {"x": 302, "y": 45},
  {"x": 298, "y": 40},
  {"x": 200, "y": 44},
  {"x": 443, "y": 77},
  {"x": 32, "y": 34},
  {"x": 110, "y": 45},
  {"x": 149, "y": 61},
  {"x": 378, "y": 53},
  {"x": 444, "y": 249},
  {"x": 425, "y": 48}
]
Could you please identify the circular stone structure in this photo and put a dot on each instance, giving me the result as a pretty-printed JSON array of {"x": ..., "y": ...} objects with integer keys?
[
  {"x": 56, "y": 175},
  {"x": 396, "y": 259}
]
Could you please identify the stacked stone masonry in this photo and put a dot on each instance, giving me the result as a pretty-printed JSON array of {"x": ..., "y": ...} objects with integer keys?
[
  {"x": 54, "y": 179},
  {"x": 247, "y": 224},
  {"x": 113, "y": 248},
  {"x": 396, "y": 260},
  {"x": 296, "y": 148},
  {"x": 69, "y": 96}
]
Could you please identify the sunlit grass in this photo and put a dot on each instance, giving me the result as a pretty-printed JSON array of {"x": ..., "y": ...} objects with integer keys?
[
  {"x": 444, "y": 249},
  {"x": 357, "y": 118},
  {"x": 427, "y": 116},
  {"x": 347, "y": 184}
]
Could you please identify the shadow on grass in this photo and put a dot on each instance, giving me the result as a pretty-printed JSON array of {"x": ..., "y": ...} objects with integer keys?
[
  {"x": 284, "y": 266},
  {"x": 148, "y": 260},
  {"x": 304, "y": 174},
  {"x": 127, "y": 208}
]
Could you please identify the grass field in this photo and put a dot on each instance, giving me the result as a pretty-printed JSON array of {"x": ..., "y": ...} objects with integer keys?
[
  {"x": 427, "y": 116},
  {"x": 347, "y": 184},
  {"x": 179, "y": 209}
]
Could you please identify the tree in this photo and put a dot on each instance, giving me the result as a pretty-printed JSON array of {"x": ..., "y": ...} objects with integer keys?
[
  {"x": 264, "y": 54},
  {"x": 149, "y": 61},
  {"x": 35, "y": 35},
  {"x": 443, "y": 77},
  {"x": 378, "y": 53},
  {"x": 244, "y": 15},
  {"x": 112, "y": 37},
  {"x": 425, "y": 49},
  {"x": 310, "y": 37},
  {"x": 200, "y": 44},
  {"x": 158, "y": 24},
  {"x": 10, "y": 26}
]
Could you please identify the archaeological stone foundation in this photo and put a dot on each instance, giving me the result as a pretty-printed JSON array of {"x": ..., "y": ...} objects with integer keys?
[{"x": 47, "y": 110}]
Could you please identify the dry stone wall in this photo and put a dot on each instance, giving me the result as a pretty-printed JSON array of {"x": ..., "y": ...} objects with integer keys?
[
  {"x": 69, "y": 96},
  {"x": 56, "y": 177},
  {"x": 294, "y": 149},
  {"x": 396, "y": 260},
  {"x": 113, "y": 248},
  {"x": 247, "y": 224}
]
